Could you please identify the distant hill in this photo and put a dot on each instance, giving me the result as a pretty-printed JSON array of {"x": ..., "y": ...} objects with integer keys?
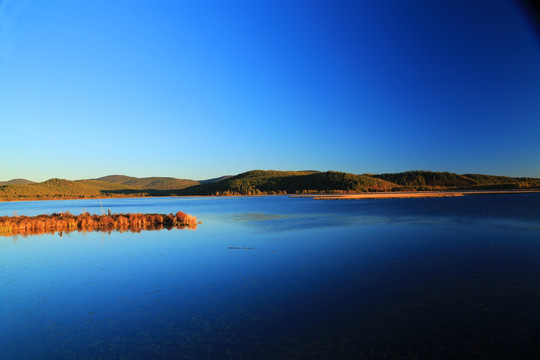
[
  {"x": 149, "y": 183},
  {"x": 59, "y": 189},
  {"x": 480, "y": 180},
  {"x": 17, "y": 182},
  {"x": 221, "y": 178},
  {"x": 435, "y": 180},
  {"x": 426, "y": 178},
  {"x": 118, "y": 179},
  {"x": 257, "y": 182}
]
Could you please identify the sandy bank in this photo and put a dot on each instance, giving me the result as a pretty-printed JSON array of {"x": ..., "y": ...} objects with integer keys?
[{"x": 416, "y": 194}]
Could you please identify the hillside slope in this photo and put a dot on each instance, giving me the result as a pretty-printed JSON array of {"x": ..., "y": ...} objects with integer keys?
[
  {"x": 290, "y": 182},
  {"x": 260, "y": 182},
  {"x": 17, "y": 182},
  {"x": 149, "y": 183},
  {"x": 425, "y": 180},
  {"x": 60, "y": 188}
]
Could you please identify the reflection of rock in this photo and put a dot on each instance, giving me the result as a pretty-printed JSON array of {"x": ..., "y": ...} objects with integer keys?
[{"x": 66, "y": 222}]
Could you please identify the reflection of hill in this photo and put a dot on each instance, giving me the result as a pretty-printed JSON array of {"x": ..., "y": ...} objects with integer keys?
[{"x": 66, "y": 222}]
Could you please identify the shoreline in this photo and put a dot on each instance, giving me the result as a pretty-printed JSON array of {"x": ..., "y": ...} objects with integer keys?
[
  {"x": 319, "y": 196},
  {"x": 417, "y": 194}
]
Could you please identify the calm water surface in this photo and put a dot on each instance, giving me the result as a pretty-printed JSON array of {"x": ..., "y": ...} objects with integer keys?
[{"x": 279, "y": 278}]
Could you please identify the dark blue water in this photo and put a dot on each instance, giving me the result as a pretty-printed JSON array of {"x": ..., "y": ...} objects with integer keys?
[{"x": 280, "y": 278}]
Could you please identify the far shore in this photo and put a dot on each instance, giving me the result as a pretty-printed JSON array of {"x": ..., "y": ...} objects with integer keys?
[
  {"x": 415, "y": 194},
  {"x": 315, "y": 196}
]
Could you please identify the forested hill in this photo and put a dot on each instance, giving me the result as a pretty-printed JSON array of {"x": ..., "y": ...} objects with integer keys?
[
  {"x": 290, "y": 182},
  {"x": 258, "y": 182},
  {"x": 430, "y": 180},
  {"x": 60, "y": 189}
]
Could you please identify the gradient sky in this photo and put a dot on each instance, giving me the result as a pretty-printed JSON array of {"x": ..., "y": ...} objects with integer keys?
[{"x": 200, "y": 89}]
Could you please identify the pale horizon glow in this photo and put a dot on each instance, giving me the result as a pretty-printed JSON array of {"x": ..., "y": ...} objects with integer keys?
[{"x": 201, "y": 89}]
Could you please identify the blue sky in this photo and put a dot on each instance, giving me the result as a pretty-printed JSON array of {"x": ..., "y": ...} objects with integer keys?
[{"x": 200, "y": 89}]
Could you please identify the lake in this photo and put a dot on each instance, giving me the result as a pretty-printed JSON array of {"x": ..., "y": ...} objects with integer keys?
[{"x": 276, "y": 277}]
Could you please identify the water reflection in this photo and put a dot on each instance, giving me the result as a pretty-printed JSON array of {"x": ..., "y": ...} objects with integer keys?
[{"x": 279, "y": 278}]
